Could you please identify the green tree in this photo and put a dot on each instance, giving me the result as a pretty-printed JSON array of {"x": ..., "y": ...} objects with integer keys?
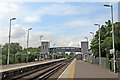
[
  {"x": 117, "y": 36},
  {"x": 71, "y": 55},
  {"x": 14, "y": 48},
  {"x": 106, "y": 39}
]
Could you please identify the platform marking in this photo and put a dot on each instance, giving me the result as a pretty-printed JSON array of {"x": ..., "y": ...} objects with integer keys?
[
  {"x": 64, "y": 72},
  {"x": 72, "y": 71}
]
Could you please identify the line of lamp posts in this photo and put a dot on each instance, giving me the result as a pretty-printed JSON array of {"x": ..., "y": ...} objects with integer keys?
[
  {"x": 113, "y": 42},
  {"x": 27, "y": 54}
]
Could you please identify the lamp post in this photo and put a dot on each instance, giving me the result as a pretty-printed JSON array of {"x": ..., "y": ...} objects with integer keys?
[
  {"x": 86, "y": 55},
  {"x": 28, "y": 43},
  {"x": 113, "y": 40},
  {"x": 92, "y": 34},
  {"x": 9, "y": 41},
  {"x": 99, "y": 45},
  {"x": 86, "y": 38},
  {"x": 93, "y": 49}
]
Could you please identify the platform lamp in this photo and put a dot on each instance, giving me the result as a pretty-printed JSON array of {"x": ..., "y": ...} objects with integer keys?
[
  {"x": 113, "y": 40},
  {"x": 9, "y": 40},
  {"x": 99, "y": 45},
  {"x": 28, "y": 44}
]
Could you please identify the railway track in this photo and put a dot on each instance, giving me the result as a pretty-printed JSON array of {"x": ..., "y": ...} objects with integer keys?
[{"x": 43, "y": 72}]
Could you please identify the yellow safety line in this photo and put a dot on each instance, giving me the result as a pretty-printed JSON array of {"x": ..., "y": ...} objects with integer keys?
[{"x": 71, "y": 74}]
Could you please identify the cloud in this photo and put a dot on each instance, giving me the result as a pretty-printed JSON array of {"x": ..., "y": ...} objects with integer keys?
[
  {"x": 35, "y": 38},
  {"x": 18, "y": 31},
  {"x": 67, "y": 41},
  {"x": 21, "y": 11},
  {"x": 3, "y": 35},
  {"x": 18, "y": 34},
  {"x": 67, "y": 9},
  {"x": 77, "y": 23},
  {"x": 60, "y": 9},
  {"x": 31, "y": 19},
  {"x": 8, "y": 9},
  {"x": 86, "y": 22},
  {"x": 71, "y": 40}
]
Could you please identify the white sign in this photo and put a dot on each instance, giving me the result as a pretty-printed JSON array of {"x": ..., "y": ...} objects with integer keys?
[{"x": 111, "y": 51}]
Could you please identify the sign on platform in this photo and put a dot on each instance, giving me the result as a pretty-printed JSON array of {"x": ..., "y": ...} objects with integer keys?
[{"x": 111, "y": 51}]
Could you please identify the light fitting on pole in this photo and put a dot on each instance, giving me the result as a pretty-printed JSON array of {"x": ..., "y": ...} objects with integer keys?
[
  {"x": 30, "y": 29},
  {"x": 97, "y": 24},
  {"x": 13, "y": 19},
  {"x": 106, "y": 5},
  {"x": 91, "y": 32},
  {"x": 41, "y": 36},
  {"x": 86, "y": 38}
]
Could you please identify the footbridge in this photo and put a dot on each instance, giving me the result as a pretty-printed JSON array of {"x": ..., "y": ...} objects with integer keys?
[{"x": 64, "y": 49}]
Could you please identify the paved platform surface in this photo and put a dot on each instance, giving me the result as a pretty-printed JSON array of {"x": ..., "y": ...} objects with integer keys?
[
  {"x": 81, "y": 69},
  {"x": 88, "y": 70}
]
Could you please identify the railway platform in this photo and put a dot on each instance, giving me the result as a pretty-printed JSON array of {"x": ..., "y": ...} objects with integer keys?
[
  {"x": 83, "y": 70},
  {"x": 23, "y": 65}
]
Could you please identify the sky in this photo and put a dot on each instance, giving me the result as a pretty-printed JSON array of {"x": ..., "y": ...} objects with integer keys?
[{"x": 62, "y": 23}]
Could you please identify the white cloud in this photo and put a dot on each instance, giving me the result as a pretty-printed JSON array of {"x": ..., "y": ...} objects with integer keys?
[
  {"x": 3, "y": 35},
  {"x": 77, "y": 23},
  {"x": 7, "y": 10},
  {"x": 71, "y": 41},
  {"x": 18, "y": 34},
  {"x": 86, "y": 22},
  {"x": 67, "y": 41},
  {"x": 35, "y": 38},
  {"x": 18, "y": 31},
  {"x": 8, "y": 7},
  {"x": 60, "y": 9},
  {"x": 32, "y": 19}
]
